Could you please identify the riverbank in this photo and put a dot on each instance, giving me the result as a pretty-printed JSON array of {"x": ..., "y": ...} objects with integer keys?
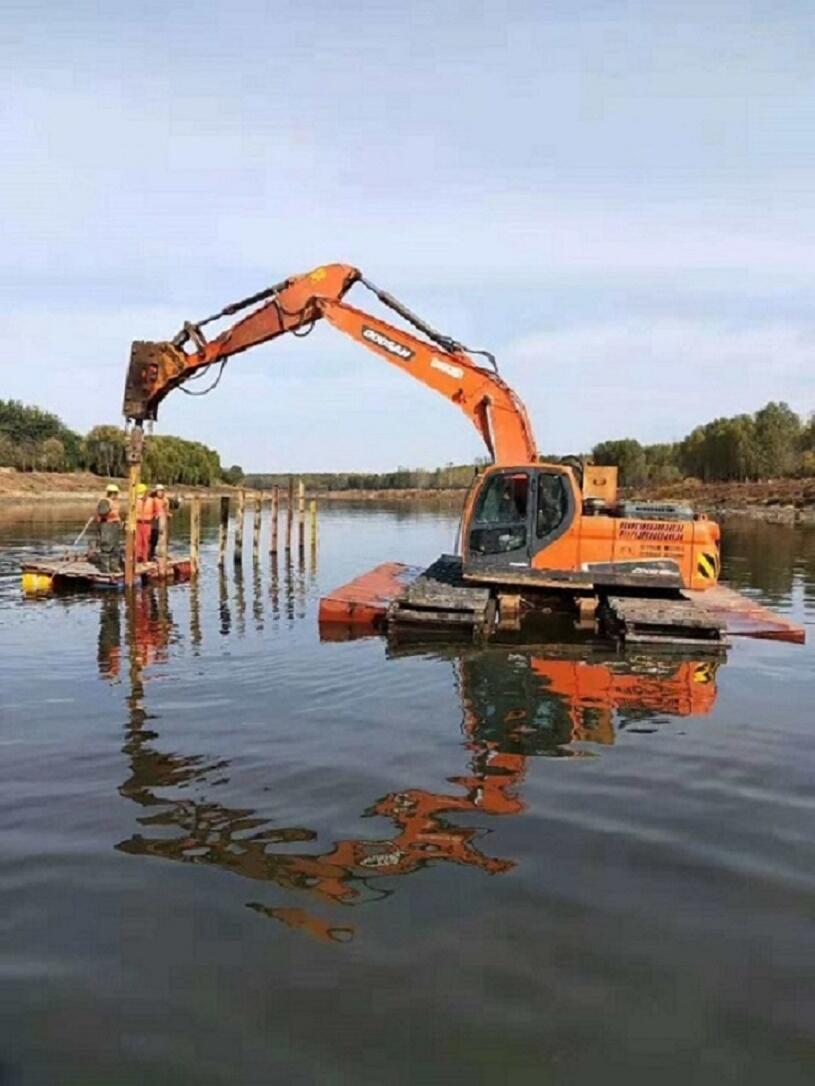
[
  {"x": 79, "y": 486},
  {"x": 783, "y": 501},
  {"x": 43, "y": 486},
  {"x": 774, "y": 500}
]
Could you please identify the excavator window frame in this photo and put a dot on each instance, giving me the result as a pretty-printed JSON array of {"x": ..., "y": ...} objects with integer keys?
[
  {"x": 533, "y": 542},
  {"x": 490, "y": 481},
  {"x": 567, "y": 512}
]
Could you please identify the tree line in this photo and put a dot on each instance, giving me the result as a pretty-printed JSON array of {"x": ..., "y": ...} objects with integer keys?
[
  {"x": 449, "y": 477},
  {"x": 35, "y": 440},
  {"x": 771, "y": 443}
]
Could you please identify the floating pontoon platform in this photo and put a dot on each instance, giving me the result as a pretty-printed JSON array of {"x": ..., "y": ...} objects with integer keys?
[
  {"x": 394, "y": 595},
  {"x": 46, "y": 575},
  {"x": 364, "y": 602}
]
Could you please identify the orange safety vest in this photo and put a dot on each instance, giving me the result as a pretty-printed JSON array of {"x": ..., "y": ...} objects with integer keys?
[{"x": 145, "y": 509}]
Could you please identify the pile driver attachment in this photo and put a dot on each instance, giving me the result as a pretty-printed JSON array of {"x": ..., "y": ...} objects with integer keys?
[{"x": 151, "y": 365}]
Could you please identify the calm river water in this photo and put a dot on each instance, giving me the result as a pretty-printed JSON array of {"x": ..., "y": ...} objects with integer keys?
[{"x": 233, "y": 853}]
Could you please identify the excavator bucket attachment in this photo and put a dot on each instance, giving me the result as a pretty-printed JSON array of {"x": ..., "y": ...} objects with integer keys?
[{"x": 152, "y": 366}]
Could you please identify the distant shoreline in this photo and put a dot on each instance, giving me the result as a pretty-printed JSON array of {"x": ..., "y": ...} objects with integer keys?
[
  {"x": 775, "y": 500},
  {"x": 80, "y": 486}
]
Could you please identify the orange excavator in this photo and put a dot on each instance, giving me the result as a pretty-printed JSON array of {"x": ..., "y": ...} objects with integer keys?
[{"x": 526, "y": 525}]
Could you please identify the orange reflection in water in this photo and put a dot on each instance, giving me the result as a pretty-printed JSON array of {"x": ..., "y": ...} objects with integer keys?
[{"x": 516, "y": 703}]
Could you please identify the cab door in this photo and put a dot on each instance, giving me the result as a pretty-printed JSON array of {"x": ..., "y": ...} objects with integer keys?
[
  {"x": 500, "y": 529},
  {"x": 552, "y": 515}
]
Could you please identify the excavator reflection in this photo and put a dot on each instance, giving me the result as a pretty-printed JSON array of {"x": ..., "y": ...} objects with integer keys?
[{"x": 517, "y": 703}]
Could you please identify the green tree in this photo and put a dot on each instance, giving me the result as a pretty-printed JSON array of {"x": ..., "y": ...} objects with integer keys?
[
  {"x": 52, "y": 454},
  {"x": 7, "y": 451},
  {"x": 661, "y": 463},
  {"x": 234, "y": 475},
  {"x": 26, "y": 429},
  {"x": 105, "y": 451},
  {"x": 725, "y": 449},
  {"x": 628, "y": 456},
  {"x": 778, "y": 435}
]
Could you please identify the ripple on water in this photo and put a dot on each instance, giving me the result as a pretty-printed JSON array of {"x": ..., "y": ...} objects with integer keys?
[{"x": 235, "y": 853}]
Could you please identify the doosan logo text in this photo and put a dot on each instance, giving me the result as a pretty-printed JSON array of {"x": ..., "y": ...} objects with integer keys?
[{"x": 399, "y": 349}]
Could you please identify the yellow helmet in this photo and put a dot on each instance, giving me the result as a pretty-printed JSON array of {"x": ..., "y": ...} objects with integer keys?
[
  {"x": 141, "y": 489},
  {"x": 111, "y": 488}
]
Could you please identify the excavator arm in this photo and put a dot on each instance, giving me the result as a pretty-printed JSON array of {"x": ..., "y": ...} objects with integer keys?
[{"x": 293, "y": 306}]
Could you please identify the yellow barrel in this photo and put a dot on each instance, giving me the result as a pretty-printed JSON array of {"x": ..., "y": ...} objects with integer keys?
[{"x": 34, "y": 583}]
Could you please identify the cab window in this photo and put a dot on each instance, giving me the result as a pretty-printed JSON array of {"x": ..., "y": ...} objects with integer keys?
[
  {"x": 500, "y": 520},
  {"x": 553, "y": 504}
]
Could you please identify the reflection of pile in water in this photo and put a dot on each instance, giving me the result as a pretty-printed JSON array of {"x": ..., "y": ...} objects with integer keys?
[{"x": 516, "y": 703}]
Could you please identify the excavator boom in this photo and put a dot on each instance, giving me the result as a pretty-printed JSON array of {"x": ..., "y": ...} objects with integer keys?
[
  {"x": 293, "y": 306},
  {"x": 157, "y": 368}
]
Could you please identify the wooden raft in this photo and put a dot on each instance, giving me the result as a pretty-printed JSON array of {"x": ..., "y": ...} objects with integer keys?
[
  {"x": 440, "y": 597},
  {"x": 80, "y": 573}
]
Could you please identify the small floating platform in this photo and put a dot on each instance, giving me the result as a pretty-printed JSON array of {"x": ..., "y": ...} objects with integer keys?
[
  {"x": 48, "y": 575},
  {"x": 745, "y": 617},
  {"x": 396, "y": 593},
  {"x": 365, "y": 600}
]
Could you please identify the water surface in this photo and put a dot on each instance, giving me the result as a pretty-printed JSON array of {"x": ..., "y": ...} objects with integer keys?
[{"x": 234, "y": 853}]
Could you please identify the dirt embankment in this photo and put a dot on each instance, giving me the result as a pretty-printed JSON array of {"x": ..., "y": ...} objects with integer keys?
[
  {"x": 771, "y": 499},
  {"x": 73, "y": 486},
  {"x": 452, "y": 495},
  {"x": 781, "y": 500},
  {"x": 82, "y": 486}
]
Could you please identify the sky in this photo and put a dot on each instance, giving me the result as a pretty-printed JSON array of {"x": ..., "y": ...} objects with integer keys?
[{"x": 616, "y": 198}]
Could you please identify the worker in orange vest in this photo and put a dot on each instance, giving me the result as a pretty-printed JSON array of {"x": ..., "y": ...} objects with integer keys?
[
  {"x": 112, "y": 495},
  {"x": 144, "y": 521}
]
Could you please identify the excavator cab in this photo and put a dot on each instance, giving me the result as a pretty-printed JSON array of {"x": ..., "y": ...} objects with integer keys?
[
  {"x": 518, "y": 512},
  {"x": 552, "y": 525}
]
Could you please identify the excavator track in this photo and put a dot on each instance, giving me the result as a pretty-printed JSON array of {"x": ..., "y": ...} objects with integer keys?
[
  {"x": 667, "y": 623},
  {"x": 441, "y": 598}
]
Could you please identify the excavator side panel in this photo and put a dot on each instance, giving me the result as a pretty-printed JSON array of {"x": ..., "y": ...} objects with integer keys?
[{"x": 690, "y": 546}]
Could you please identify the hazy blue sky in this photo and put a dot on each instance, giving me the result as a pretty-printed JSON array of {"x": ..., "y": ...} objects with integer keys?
[{"x": 617, "y": 198}]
